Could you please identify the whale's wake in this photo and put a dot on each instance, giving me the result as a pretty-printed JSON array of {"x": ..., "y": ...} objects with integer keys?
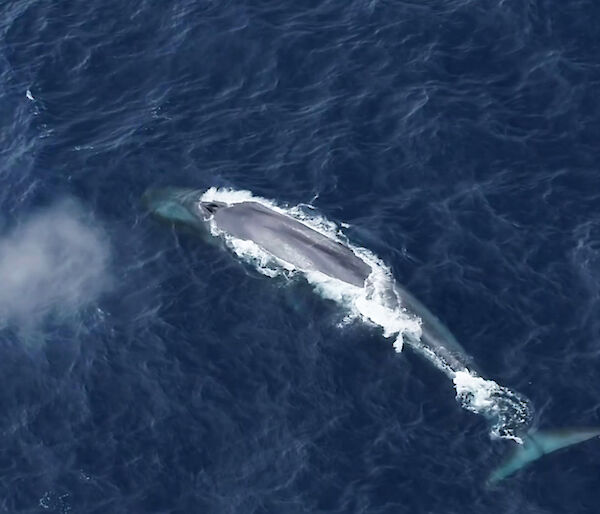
[{"x": 376, "y": 303}]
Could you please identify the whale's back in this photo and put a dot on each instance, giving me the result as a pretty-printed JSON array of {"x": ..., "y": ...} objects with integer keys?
[{"x": 292, "y": 241}]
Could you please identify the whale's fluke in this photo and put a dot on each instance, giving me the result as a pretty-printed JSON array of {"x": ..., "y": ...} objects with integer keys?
[{"x": 536, "y": 445}]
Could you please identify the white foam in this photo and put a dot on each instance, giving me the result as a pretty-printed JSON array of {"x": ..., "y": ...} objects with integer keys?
[
  {"x": 507, "y": 410},
  {"x": 372, "y": 304},
  {"x": 473, "y": 390}
]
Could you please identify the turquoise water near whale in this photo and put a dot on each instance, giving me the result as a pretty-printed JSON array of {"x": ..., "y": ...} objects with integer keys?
[{"x": 142, "y": 370}]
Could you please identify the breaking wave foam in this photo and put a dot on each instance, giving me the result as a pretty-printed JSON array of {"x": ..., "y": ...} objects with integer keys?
[{"x": 507, "y": 411}]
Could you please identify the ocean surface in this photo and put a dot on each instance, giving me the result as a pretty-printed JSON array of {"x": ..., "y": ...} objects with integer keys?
[{"x": 143, "y": 370}]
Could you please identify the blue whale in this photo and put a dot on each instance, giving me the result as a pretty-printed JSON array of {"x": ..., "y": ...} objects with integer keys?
[{"x": 294, "y": 242}]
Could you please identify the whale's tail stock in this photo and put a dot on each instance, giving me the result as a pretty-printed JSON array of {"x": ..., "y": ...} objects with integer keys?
[{"x": 536, "y": 444}]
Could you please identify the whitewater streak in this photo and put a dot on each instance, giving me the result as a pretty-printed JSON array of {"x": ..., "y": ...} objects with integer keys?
[{"x": 508, "y": 412}]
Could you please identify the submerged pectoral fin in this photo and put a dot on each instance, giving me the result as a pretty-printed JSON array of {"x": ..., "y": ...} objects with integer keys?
[{"x": 538, "y": 444}]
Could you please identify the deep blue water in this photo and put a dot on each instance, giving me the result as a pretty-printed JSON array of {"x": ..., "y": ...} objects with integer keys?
[{"x": 143, "y": 371}]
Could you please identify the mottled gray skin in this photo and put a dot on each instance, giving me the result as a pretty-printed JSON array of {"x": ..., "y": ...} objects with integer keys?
[{"x": 291, "y": 241}]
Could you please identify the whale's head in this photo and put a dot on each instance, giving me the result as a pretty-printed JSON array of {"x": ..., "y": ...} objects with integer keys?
[{"x": 180, "y": 206}]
